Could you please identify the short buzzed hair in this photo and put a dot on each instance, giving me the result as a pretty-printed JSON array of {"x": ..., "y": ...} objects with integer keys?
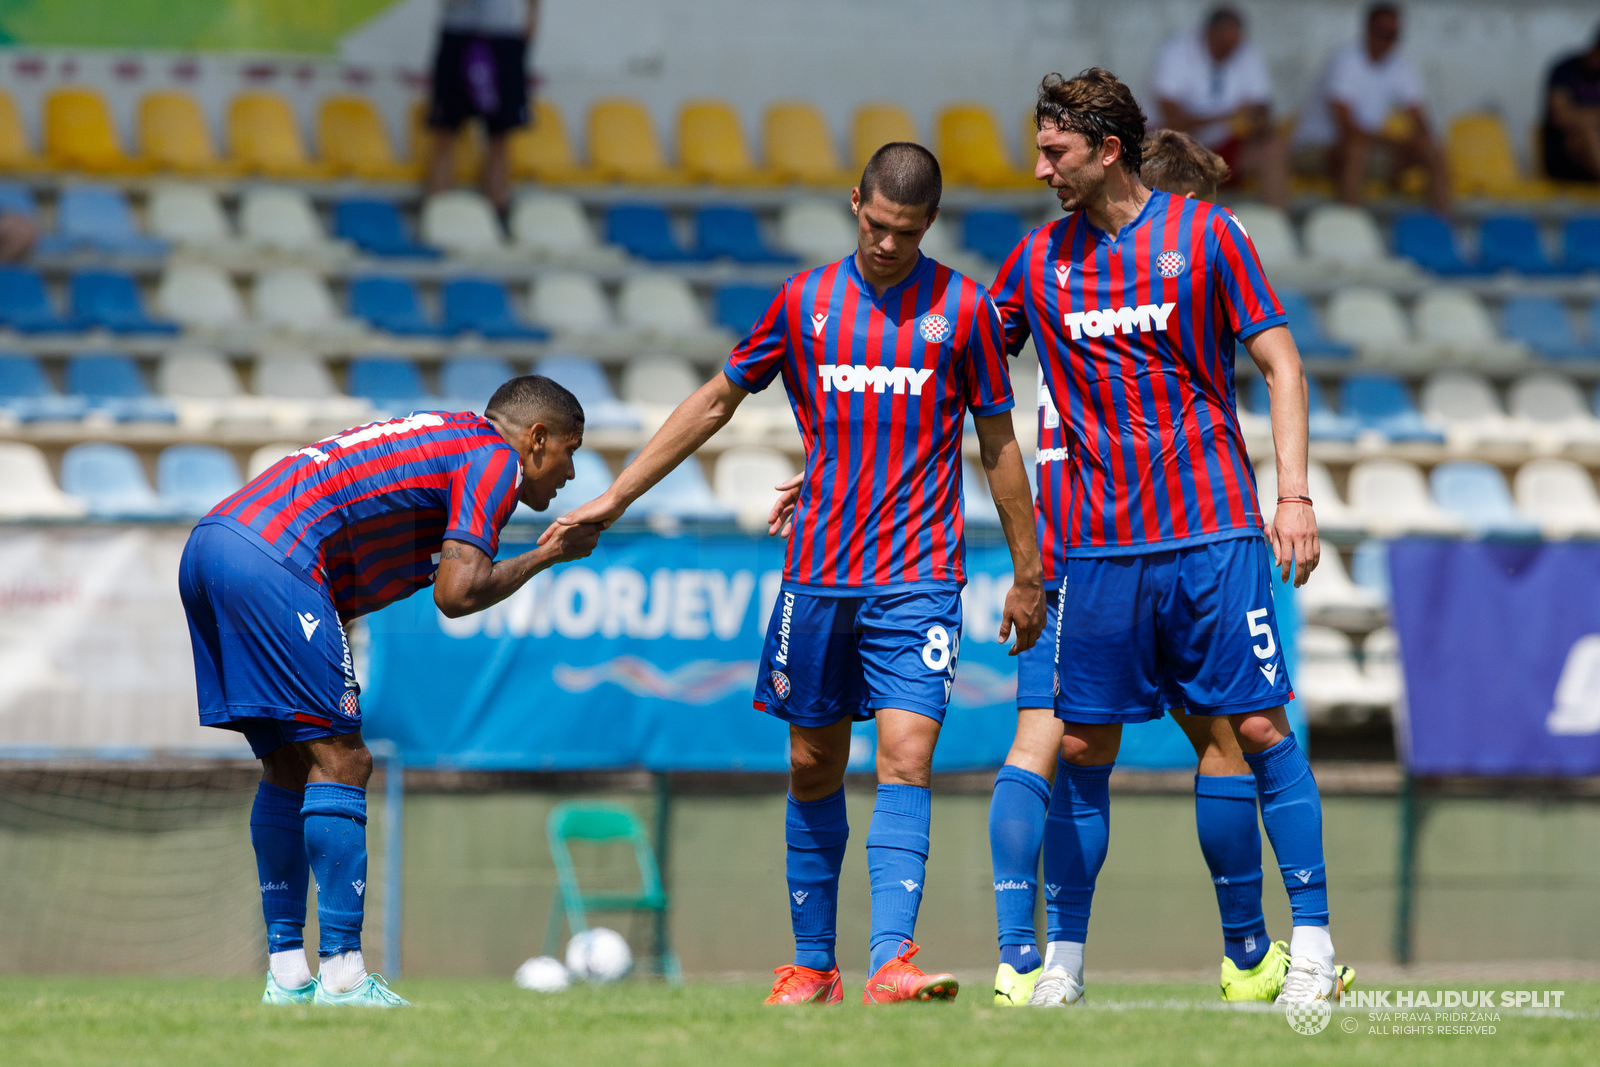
[
  {"x": 903, "y": 173},
  {"x": 534, "y": 398},
  {"x": 1178, "y": 164}
]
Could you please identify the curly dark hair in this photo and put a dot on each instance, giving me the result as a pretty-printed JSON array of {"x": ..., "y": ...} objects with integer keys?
[
  {"x": 1096, "y": 105},
  {"x": 1178, "y": 164}
]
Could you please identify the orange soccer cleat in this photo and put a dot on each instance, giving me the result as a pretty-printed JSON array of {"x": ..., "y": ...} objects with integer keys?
[
  {"x": 802, "y": 985},
  {"x": 900, "y": 979}
]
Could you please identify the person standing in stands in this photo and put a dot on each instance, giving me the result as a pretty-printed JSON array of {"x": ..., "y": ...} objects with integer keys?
[
  {"x": 1572, "y": 117},
  {"x": 480, "y": 71}
]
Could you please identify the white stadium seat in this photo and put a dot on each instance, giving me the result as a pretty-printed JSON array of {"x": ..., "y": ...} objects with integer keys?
[
  {"x": 745, "y": 479},
  {"x": 1559, "y": 496},
  {"x": 662, "y": 308},
  {"x": 199, "y": 296},
  {"x": 1333, "y": 515},
  {"x": 27, "y": 491},
  {"x": 1380, "y": 667},
  {"x": 304, "y": 390},
  {"x": 1271, "y": 232},
  {"x": 1390, "y": 497},
  {"x": 205, "y": 389},
  {"x": 1467, "y": 405},
  {"x": 1327, "y": 677},
  {"x": 941, "y": 243},
  {"x": 1371, "y": 319},
  {"x": 1330, "y": 598},
  {"x": 267, "y": 455},
  {"x": 187, "y": 215},
  {"x": 281, "y": 219},
  {"x": 1555, "y": 409},
  {"x": 462, "y": 223},
  {"x": 658, "y": 381},
  {"x": 298, "y": 299},
  {"x": 552, "y": 227},
  {"x": 820, "y": 231},
  {"x": 571, "y": 303},
  {"x": 1457, "y": 324},
  {"x": 1346, "y": 239}
]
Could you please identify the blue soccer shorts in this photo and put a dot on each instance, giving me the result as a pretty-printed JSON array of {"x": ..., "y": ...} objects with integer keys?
[
  {"x": 1189, "y": 627},
  {"x": 270, "y": 657},
  {"x": 1037, "y": 680},
  {"x": 833, "y": 657}
]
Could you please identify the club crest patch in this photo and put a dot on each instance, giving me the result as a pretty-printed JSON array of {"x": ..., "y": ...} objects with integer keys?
[
  {"x": 934, "y": 328},
  {"x": 1171, "y": 264},
  {"x": 780, "y": 684},
  {"x": 350, "y": 704}
]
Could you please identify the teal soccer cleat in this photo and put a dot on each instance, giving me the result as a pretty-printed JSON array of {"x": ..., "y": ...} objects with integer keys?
[
  {"x": 374, "y": 992},
  {"x": 277, "y": 994}
]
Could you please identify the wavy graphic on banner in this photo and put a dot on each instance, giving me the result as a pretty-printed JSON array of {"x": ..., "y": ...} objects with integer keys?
[
  {"x": 978, "y": 685},
  {"x": 701, "y": 681}
]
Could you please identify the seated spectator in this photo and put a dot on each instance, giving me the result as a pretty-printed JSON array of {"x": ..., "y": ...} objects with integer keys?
[
  {"x": 1572, "y": 118},
  {"x": 1213, "y": 84},
  {"x": 1366, "y": 112},
  {"x": 1178, "y": 164},
  {"x": 17, "y": 234}
]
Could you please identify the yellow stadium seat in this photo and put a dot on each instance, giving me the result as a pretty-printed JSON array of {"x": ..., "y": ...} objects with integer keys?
[
  {"x": 173, "y": 134},
  {"x": 353, "y": 141},
  {"x": 1482, "y": 162},
  {"x": 469, "y": 144},
  {"x": 799, "y": 147},
  {"x": 876, "y": 125},
  {"x": 623, "y": 145},
  {"x": 79, "y": 133},
  {"x": 542, "y": 150},
  {"x": 711, "y": 145},
  {"x": 15, "y": 154},
  {"x": 971, "y": 150},
  {"x": 264, "y": 138}
]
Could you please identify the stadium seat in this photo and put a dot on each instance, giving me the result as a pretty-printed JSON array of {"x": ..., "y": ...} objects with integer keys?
[
  {"x": 1478, "y": 493},
  {"x": 188, "y": 215},
  {"x": 1389, "y": 497},
  {"x": 1428, "y": 241},
  {"x": 658, "y": 381},
  {"x": 1483, "y": 162},
  {"x": 1580, "y": 243},
  {"x": 97, "y": 218},
  {"x": 939, "y": 243},
  {"x": 554, "y": 228},
  {"x": 978, "y": 507},
  {"x": 462, "y": 223},
  {"x": 1346, "y": 240},
  {"x": 1512, "y": 242},
  {"x": 375, "y": 227},
  {"x": 1330, "y": 598},
  {"x": 16, "y": 199},
  {"x": 299, "y": 387},
  {"x": 739, "y": 307},
  {"x": 79, "y": 133},
  {"x": 799, "y": 148},
  {"x": 111, "y": 481},
  {"x": 730, "y": 231},
  {"x": 1369, "y": 567},
  {"x": 664, "y": 306},
  {"x": 586, "y": 381},
  {"x": 16, "y": 155},
  {"x": 391, "y": 384},
  {"x": 1307, "y": 331},
  {"x": 354, "y": 142},
  {"x": 1370, "y": 319},
  {"x": 110, "y": 299},
  {"x": 590, "y": 478},
  {"x": 25, "y": 304},
  {"x": 174, "y": 135},
  {"x": 541, "y": 151},
  {"x": 1457, "y": 324},
  {"x": 875, "y": 125},
  {"x": 199, "y": 295},
  {"x": 1327, "y": 679},
  {"x": 26, "y": 489},
  {"x": 644, "y": 230},
  {"x": 196, "y": 478},
  {"x": 467, "y": 382},
  {"x": 684, "y": 494},
  {"x": 264, "y": 138},
  {"x": 482, "y": 306},
  {"x": 992, "y": 234},
  {"x": 623, "y": 145},
  {"x": 1560, "y": 497},
  {"x": 819, "y": 231},
  {"x": 26, "y": 394},
  {"x": 263, "y": 458},
  {"x": 745, "y": 481},
  {"x": 115, "y": 388},
  {"x": 394, "y": 306},
  {"x": 1333, "y": 514},
  {"x": 1555, "y": 408},
  {"x": 205, "y": 390},
  {"x": 1544, "y": 325},
  {"x": 1379, "y": 402},
  {"x": 1272, "y": 233},
  {"x": 1466, "y": 405},
  {"x": 570, "y": 303},
  {"x": 298, "y": 299},
  {"x": 972, "y": 151},
  {"x": 1325, "y": 423},
  {"x": 711, "y": 145},
  {"x": 1380, "y": 667}
]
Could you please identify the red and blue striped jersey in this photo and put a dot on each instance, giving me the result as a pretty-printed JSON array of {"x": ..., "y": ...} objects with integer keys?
[
  {"x": 1136, "y": 334},
  {"x": 880, "y": 386},
  {"x": 1050, "y": 477},
  {"x": 364, "y": 514}
]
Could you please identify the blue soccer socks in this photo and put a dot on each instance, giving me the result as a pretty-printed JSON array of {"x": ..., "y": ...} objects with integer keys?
[
  {"x": 815, "y": 832},
  {"x": 336, "y": 845},
  {"x": 1016, "y": 831},
  {"x": 1077, "y": 833},
  {"x": 277, "y": 831},
  {"x": 1230, "y": 839},
  {"x": 1292, "y": 813},
  {"x": 897, "y": 859}
]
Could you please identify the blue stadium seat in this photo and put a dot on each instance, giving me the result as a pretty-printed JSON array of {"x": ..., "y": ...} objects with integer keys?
[
  {"x": 467, "y": 382},
  {"x": 684, "y": 494},
  {"x": 96, "y": 218},
  {"x": 375, "y": 227},
  {"x": 111, "y": 299},
  {"x": 114, "y": 387},
  {"x": 1325, "y": 424},
  {"x": 392, "y": 384},
  {"x": 393, "y": 306},
  {"x": 1542, "y": 323},
  {"x": 1428, "y": 240},
  {"x": 112, "y": 480},
  {"x": 591, "y": 477},
  {"x": 731, "y": 231},
  {"x": 644, "y": 230},
  {"x": 1511, "y": 242},
  {"x": 586, "y": 381},
  {"x": 27, "y": 395},
  {"x": 195, "y": 478},
  {"x": 992, "y": 234},
  {"x": 740, "y": 307},
  {"x": 25, "y": 305},
  {"x": 15, "y": 199},
  {"x": 1308, "y": 335},
  {"x": 1380, "y": 402},
  {"x": 1580, "y": 243},
  {"x": 1478, "y": 493},
  {"x": 481, "y": 306},
  {"x": 1369, "y": 567}
]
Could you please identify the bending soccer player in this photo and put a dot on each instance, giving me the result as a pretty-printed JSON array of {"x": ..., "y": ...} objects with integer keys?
[
  {"x": 1137, "y": 301},
  {"x": 883, "y": 354},
  {"x": 269, "y": 578}
]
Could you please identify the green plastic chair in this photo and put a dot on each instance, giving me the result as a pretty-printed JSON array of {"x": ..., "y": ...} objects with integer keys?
[{"x": 600, "y": 823}]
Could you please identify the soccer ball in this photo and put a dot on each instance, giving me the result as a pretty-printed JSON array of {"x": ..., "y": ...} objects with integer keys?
[
  {"x": 543, "y": 974},
  {"x": 599, "y": 955}
]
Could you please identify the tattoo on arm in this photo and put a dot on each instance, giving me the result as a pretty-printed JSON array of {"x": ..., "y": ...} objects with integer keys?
[{"x": 450, "y": 552}]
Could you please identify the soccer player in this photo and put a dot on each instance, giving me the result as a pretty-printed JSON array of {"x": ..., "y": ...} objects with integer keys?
[
  {"x": 883, "y": 354},
  {"x": 268, "y": 580},
  {"x": 1136, "y": 302}
]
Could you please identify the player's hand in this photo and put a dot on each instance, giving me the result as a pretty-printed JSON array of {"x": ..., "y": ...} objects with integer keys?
[
  {"x": 1294, "y": 541},
  {"x": 563, "y": 541},
  {"x": 602, "y": 510},
  {"x": 1024, "y": 610},
  {"x": 781, "y": 519}
]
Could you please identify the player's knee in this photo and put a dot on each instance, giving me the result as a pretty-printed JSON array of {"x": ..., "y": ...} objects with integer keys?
[
  {"x": 1088, "y": 748},
  {"x": 285, "y": 769},
  {"x": 1257, "y": 732}
]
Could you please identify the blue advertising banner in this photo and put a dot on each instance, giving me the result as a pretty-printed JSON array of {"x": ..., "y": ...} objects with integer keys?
[
  {"x": 1501, "y": 647},
  {"x": 645, "y": 655}
]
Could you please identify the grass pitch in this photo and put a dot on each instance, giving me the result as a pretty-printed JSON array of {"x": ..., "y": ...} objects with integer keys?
[{"x": 172, "y": 1022}]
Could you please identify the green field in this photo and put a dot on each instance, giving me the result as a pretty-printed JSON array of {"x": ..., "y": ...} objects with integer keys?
[{"x": 170, "y": 1023}]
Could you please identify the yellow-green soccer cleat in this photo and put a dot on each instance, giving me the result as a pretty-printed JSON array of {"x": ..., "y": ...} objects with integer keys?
[
  {"x": 1262, "y": 982},
  {"x": 277, "y": 994},
  {"x": 1344, "y": 978},
  {"x": 373, "y": 992},
  {"x": 1012, "y": 990}
]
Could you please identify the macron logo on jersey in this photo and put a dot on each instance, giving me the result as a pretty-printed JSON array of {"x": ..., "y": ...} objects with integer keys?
[
  {"x": 1104, "y": 323},
  {"x": 1063, "y": 272},
  {"x": 818, "y": 321},
  {"x": 845, "y": 378}
]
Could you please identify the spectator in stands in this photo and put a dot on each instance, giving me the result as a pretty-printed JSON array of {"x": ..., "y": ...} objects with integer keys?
[
  {"x": 1213, "y": 84},
  {"x": 480, "y": 71},
  {"x": 1178, "y": 164},
  {"x": 1572, "y": 118},
  {"x": 1366, "y": 113},
  {"x": 17, "y": 234}
]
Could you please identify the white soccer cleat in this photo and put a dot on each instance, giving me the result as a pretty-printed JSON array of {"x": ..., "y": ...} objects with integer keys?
[
  {"x": 1307, "y": 980},
  {"x": 1056, "y": 988}
]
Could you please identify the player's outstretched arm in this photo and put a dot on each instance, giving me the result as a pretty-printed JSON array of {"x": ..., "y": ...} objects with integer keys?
[
  {"x": 1008, "y": 484},
  {"x": 1293, "y": 532},
  {"x": 690, "y": 425},
  {"x": 468, "y": 580}
]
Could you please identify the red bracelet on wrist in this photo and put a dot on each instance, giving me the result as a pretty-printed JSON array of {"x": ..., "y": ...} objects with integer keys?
[{"x": 1297, "y": 499}]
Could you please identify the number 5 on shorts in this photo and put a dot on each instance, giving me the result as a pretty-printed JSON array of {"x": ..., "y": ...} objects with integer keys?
[{"x": 1258, "y": 628}]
